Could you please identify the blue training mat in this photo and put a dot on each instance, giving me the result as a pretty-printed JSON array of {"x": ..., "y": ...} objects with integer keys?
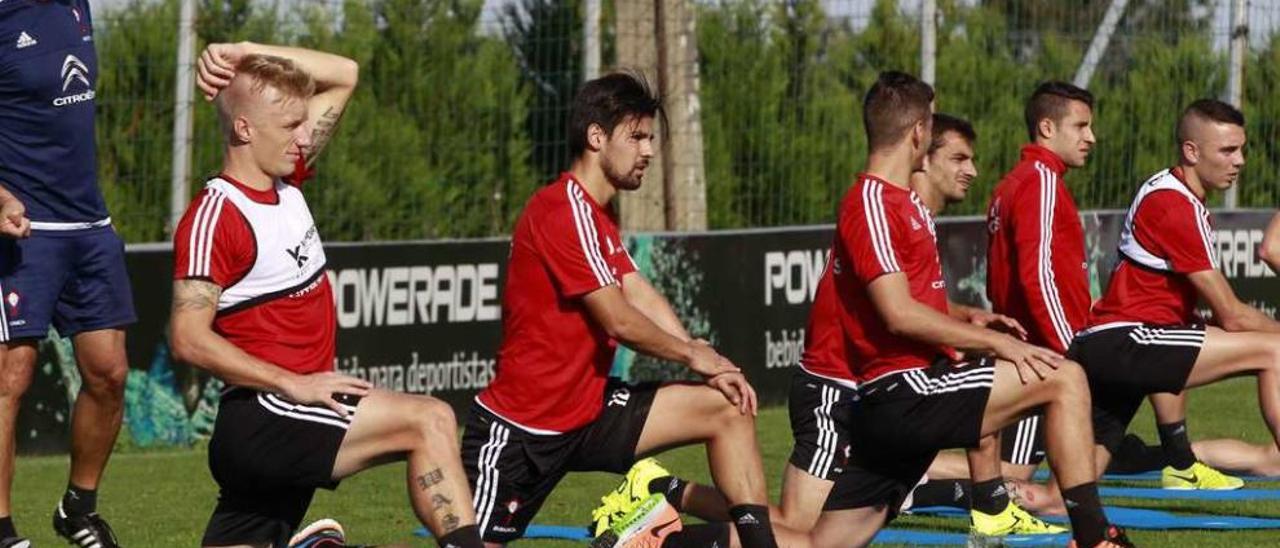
[
  {"x": 933, "y": 538},
  {"x": 564, "y": 532},
  {"x": 1138, "y": 518},
  {"x": 1153, "y": 475},
  {"x": 887, "y": 536},
  {"x": 1175, "y": 494}
]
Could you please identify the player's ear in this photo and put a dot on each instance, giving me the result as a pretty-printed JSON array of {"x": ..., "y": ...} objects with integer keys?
[
  {"x": 1046, "y": 128},
  {"x": 596, "y": 137},
  {"x": 242, "y": 130},
  {"x": 1190, "y": 152}
]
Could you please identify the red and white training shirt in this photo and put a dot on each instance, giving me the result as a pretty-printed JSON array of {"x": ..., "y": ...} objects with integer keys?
[
  {"x": 263, "y": 250},
  {"x": 555, "y": 359},
  {"x": 1036, "y": 269},
  {"x": 883, "y": 229},
  {"x": 824, "y": 349},
  {"x": 1167, "y": 234}
]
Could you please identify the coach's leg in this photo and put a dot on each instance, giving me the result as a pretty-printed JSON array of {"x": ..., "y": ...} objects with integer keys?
[
  {"x": 17, "y": 361},
  {"x": 390, "y": 426},
  {"x": 99, "y": 407}
]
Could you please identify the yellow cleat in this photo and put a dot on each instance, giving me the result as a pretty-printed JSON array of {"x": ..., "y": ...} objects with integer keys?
[
  {"x": 645, "y": 526},
  {"x": 1012, "y": 521},
  {"x": 629, "y": 494},
  {"x": 1199, "y": 476}
]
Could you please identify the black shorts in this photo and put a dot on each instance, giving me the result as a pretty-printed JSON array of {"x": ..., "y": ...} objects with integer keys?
[
  {"x": 819, "y": 409},
  {"x": 1127, "y": 362},
  {"x": 512, "y": 471},
  {"x": 901, "y": 421},
  {"x": 268, "y": 456},
  {"x": 1023, "y": 442}
]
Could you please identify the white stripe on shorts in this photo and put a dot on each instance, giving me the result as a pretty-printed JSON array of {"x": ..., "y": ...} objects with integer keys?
[{"x": 487, "y": 482}]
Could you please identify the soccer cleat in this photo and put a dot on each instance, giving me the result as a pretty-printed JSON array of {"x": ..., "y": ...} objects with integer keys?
[
  {"x": 1199, "y": 476},
  {"x": 646, "y": 526},
  {"x": 1012, "y": 521},
  {"x": 86, "y": 531},
  {"x": 1115, "y": 538},
  {"x": 323, "y": 533},
  {"x": 633, "y": 490},
  {"x": 15, "y": 542}
]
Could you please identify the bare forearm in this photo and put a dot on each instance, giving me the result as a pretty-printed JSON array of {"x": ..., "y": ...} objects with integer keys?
[
  {"x": 1248, "y": 318},
  {"x": 210, "y": 352},
  {"x": 643, "y": 335},
  {"x": 656, "y": 308},
  {"x": 329, "y": 70},
  {"x": 925, "y": 324},
  {"x": 960, "y": 312}
]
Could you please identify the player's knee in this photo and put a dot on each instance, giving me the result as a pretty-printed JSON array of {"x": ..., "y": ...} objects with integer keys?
[
  {"x": 13, "y": 383},
  {"x": 435, "y": 420},
  {"x": 1069, "y": 379},
  {"x": 106, "y": 379}
]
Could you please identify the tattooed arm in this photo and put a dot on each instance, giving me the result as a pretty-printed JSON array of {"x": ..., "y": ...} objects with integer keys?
[
  {"x": 193, "y": 340},
  {"x": 336, "y": 78}
]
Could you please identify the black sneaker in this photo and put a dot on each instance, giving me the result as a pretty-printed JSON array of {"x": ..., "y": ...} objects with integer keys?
[
  {"x": 85, "y": 531},
  {"x": 15, "y": 542}
]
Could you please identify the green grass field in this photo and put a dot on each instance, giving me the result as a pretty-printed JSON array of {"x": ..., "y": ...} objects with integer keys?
[{"x": 162, "y": 499}]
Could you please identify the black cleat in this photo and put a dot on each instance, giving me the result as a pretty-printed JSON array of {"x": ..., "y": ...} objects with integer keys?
[
  {"x": 15, "y": 542},
  {"x": 87, "y": 531}
]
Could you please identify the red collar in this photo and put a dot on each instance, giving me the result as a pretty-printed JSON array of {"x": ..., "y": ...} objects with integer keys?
[
  {"x": 1034, "y": 152},
  {"x": 269, "y": 196}
]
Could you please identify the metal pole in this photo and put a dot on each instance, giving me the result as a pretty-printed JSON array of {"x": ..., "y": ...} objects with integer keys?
[
  {"x": 183, "y": 103},
  {"x": 1235, "y": 80},
  {"x": 591, "y": 41},
  {"x": 928, "y": 40},
  {"x": 1098, "y": 46}
]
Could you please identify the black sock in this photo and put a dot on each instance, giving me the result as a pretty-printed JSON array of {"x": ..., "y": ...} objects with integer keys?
[
  {"x": 1177, "y": 448},
  {"x": 6, "y": 528},
  {"x": 702, "y": 535},
  {"x": 78, "y": 502},
  {"x": 990, "y": 497},
  {"x": 752, "y": 523},
  {"x": 672, "y": 488},
  {"x": 948, "y": 492},
  {"x": 462, "y": 537},
  {"x": 1088, "y": 524},
  {"x": 1134, "y": 456}
]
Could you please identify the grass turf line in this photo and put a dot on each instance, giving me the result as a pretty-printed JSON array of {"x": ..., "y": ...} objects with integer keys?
[{"x": 163, "y": 498}]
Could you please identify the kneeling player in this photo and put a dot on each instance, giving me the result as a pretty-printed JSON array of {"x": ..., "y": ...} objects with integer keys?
[
  {"x": 911, "y": 402},
  {"x": 252, "y": 305},
  {"x": 1144, "y": 335}
]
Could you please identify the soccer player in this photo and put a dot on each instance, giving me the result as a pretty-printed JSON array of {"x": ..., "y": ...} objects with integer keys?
[
  {"x": 945, "y": 180},
  {"x": 572, "y": 295},
  {"x": 252, "y": 305},
  {"x": 1144, "y": 336},
  {"x": 1270, "y": 249},
  {"x": 913, "y": 397},
  {"x": 1036, "y": 268},
  {"x": 70, "y": 273}
]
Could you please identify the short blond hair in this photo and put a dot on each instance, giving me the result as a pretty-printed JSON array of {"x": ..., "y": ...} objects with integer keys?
[{"x": 279, "y": 73}]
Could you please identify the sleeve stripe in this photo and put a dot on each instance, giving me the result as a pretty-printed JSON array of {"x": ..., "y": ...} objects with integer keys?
[
  {"x": 201, "y": 241},
  {"x": 213, "y": 223},
  {"x": 1206, "y": 235},
  {"x": 192, "y": 251},
  {"x": 587, "y": 236},
  {"x": 873, "y": 207},
  {"x": 1048, "y": 281},
  {"x": 198, "y": 246}
]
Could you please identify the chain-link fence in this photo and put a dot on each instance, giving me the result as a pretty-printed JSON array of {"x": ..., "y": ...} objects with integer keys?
[{"x": 462, "y": 104}]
